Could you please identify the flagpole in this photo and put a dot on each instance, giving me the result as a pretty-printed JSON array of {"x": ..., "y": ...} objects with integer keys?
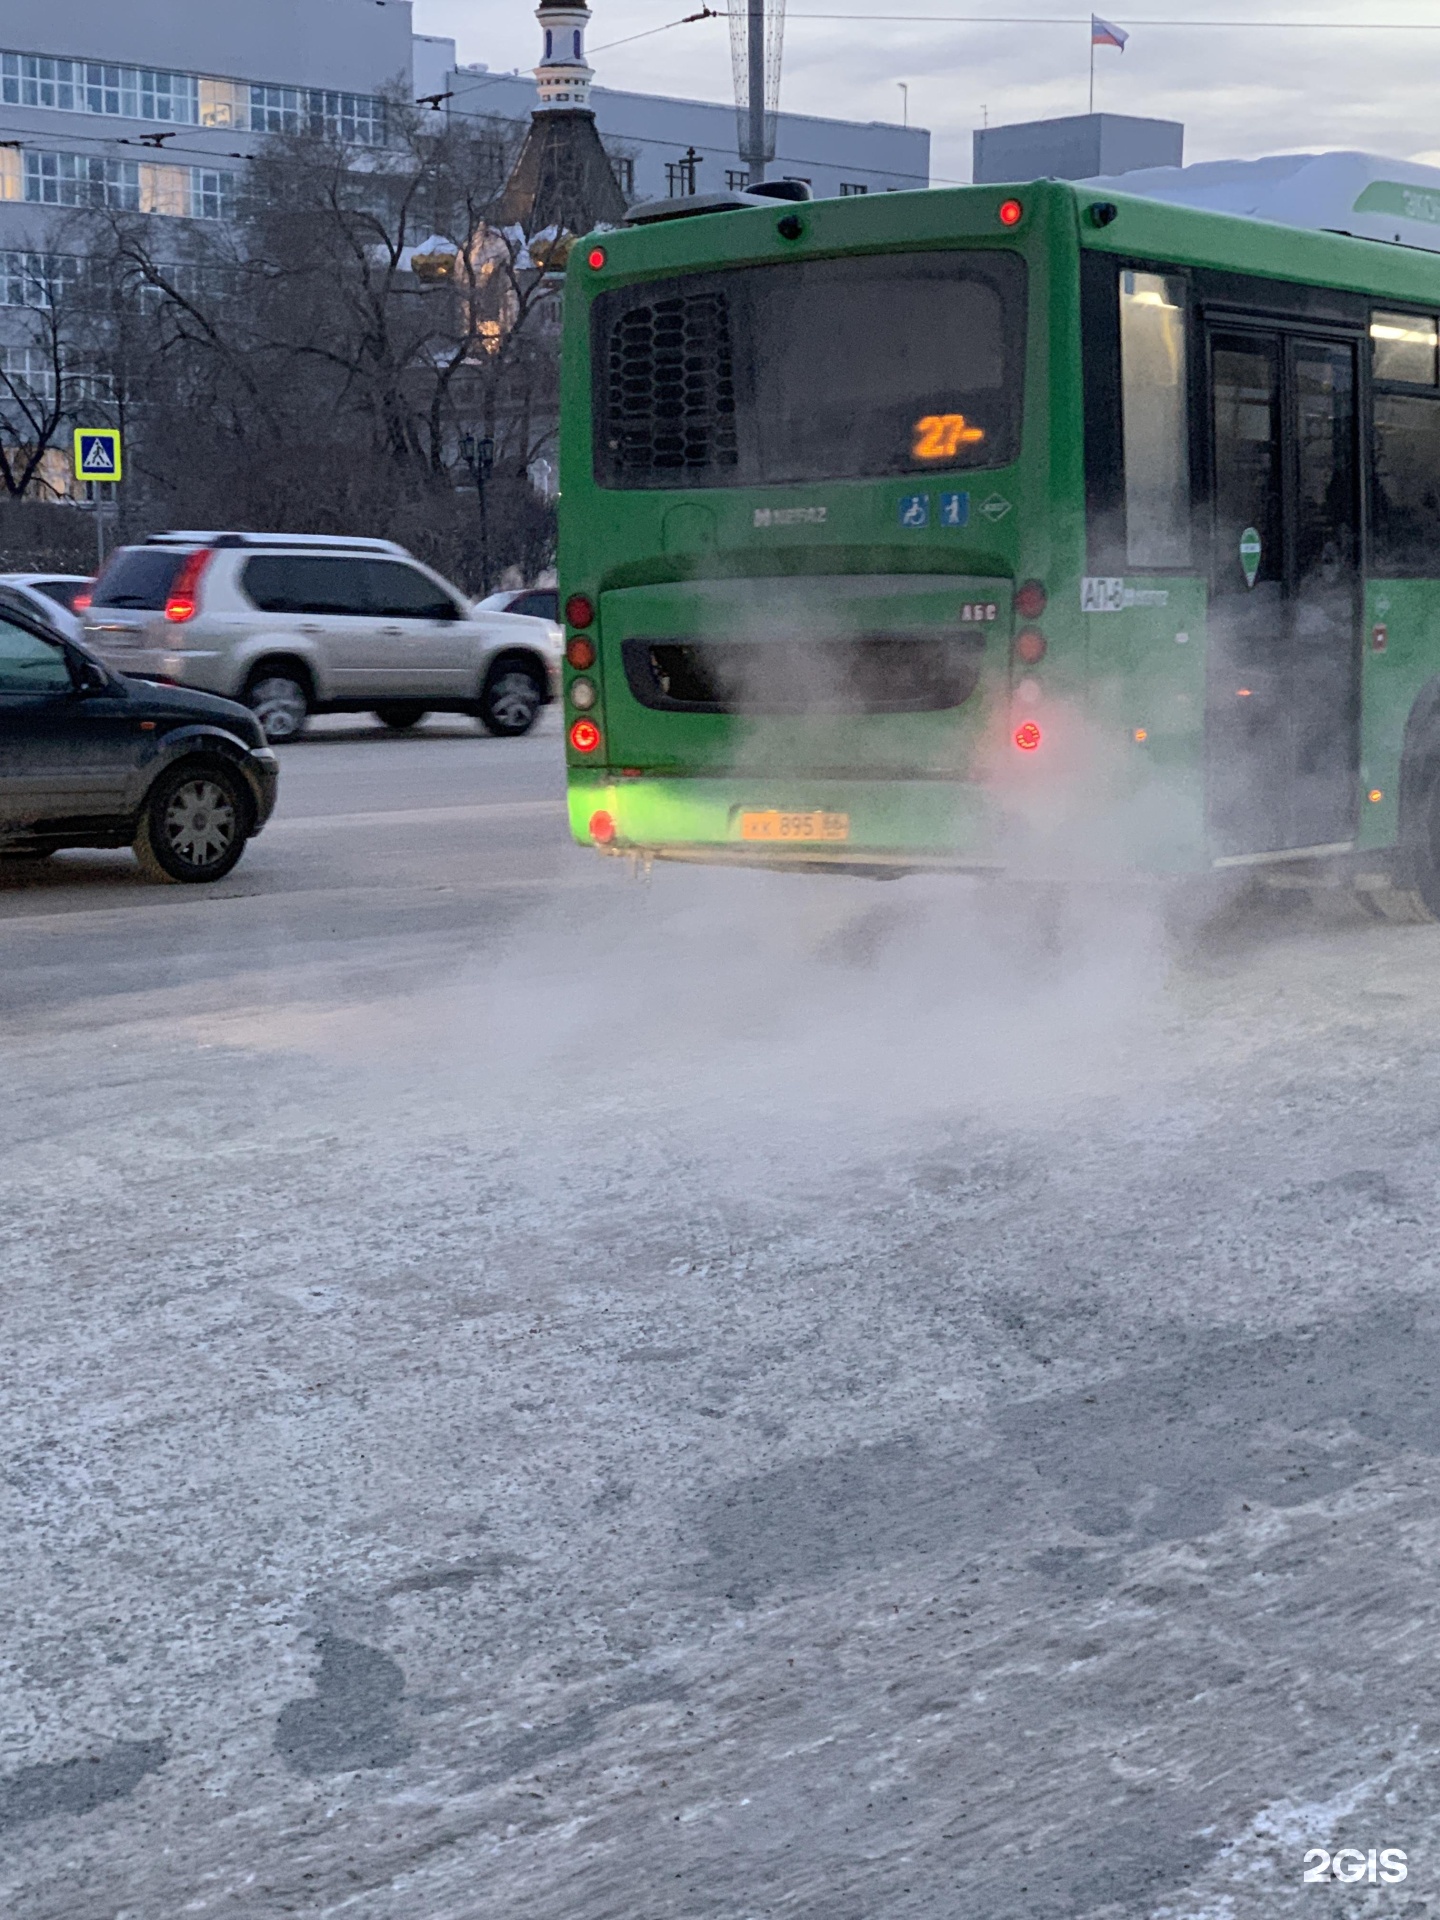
[{"x": 1092, "y": 68}]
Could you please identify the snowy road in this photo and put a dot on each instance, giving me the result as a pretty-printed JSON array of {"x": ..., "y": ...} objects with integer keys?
[{"x": 533, "y": 1396}]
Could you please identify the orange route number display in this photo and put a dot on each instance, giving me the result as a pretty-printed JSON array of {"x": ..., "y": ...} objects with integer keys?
[{"x": 940, "y": 436}]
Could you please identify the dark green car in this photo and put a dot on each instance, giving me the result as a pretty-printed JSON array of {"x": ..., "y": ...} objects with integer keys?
[{"x": 92, "y": 758}]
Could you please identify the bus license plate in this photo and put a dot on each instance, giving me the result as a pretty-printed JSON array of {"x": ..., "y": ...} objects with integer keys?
[{"x": 774, "y": 825}]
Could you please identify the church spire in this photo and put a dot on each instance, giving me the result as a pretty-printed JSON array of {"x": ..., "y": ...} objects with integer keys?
[{"x": 563, "y": 76}]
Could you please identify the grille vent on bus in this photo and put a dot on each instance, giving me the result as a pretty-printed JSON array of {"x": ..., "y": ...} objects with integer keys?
[{"x": 671, "y": 387}]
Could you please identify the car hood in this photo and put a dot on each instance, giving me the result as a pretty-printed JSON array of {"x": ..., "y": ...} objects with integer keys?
[{"x": 186, "y": 703}]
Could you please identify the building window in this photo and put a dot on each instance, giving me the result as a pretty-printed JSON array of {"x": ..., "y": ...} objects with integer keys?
[
  {"x": 623, "y": 167},
  {"x": 577, "y": 43},
  {"x": 87, "y": 86},
  {"x": 737, "y": 179},
  {"x": 224, "y": 103},
  {"x": 81, "y": 180},
  {"x": 849, "y": 188},
  {"x": 37, "y": 279},
  {"x": 680, "y": 175},
  {"x": 356, "y": 118},
  {"x": 88, "y": 180}
]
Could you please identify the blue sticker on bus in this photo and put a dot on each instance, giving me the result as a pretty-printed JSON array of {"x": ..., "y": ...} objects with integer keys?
[
  {"x": 915, "y": 510},
  {"x": 954, "y": 509}
]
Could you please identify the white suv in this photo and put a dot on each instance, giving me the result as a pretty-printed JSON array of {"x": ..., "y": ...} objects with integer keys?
[{"x": 295, "y": 624}]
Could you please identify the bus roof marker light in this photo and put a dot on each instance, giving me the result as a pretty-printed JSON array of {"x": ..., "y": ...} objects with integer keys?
[
  {"x": 596, "y": 259},
  {"x": 790, "y": 227},
  {"x": 1376, "y": 796},
  {"x": 1011, "y": 213},
  {"x": 1027, "y": 736},
  {"x": 1103, "y": 213},
  {"x": 585, "y": 736}
]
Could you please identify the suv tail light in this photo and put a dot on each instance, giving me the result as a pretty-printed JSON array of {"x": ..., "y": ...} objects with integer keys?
[{"x": 183, "y": 601}]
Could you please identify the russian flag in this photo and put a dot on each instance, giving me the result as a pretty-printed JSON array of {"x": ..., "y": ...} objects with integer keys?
[{"x": 1102, "y": 34}]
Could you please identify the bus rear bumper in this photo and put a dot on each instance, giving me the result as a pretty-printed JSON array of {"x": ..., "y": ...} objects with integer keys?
[{"x": 871, "y": 826}]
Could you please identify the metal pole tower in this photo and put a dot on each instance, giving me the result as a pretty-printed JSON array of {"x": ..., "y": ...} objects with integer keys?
[{"x": 755, "y": 155}]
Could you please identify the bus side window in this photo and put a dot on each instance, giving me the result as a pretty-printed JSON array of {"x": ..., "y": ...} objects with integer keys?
[
  {"x": 1155, "y": 414},
  {"x": 1405, "y": 517}
]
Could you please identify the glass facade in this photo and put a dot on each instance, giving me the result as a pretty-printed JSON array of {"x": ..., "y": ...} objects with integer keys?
[
  {"x": 187, "y": 99},
  {"x": 91, "y": 180}
]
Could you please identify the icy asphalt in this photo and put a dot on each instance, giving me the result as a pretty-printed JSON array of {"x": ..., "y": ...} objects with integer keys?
[{"x": 533, "y": 1396}]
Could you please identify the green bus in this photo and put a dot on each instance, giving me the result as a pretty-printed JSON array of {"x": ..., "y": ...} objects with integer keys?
[{"x": 1025, "y": 530}]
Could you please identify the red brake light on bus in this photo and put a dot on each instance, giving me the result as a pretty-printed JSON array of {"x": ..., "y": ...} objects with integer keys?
[
  {"x": 580, "y": 611},
  {"x": 1011, "y": 213},
  {"x": 597, "y": 258},
  {"x": 1027, "y": 736},
  {"x": 580, "y": 654},
  {"x": 1031, "y": 600},
  {"x": 584, "y": 736},
  {"x": 602, "y": 828},
  {"x": 1031, "y": 646},
  {"x": 182, "y": 603}
]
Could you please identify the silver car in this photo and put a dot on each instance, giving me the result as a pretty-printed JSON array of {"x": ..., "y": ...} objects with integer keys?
[
  {"x": 295, "y": 624},
  {"x": 53, "y": 596}
]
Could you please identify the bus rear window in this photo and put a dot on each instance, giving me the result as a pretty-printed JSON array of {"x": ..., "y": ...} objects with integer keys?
[{"x": 821, "y": 370}]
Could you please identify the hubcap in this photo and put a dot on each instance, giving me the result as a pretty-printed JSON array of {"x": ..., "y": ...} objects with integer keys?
[
  {"x": 280, "y": 707},
  {"x": 199, "y": 823},
  {"x": 513, "y": 699}
]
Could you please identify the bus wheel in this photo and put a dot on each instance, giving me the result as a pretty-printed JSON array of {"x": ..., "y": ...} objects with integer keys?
[{"x": 1415, "y": 898}]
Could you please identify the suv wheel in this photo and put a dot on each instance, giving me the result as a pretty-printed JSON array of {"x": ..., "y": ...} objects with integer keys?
[
  {"x": 280, "y": 702},
  {"x": 510, "y": 700},
  {"x": 401, "y": 716},
  {"x": 194, "y": 826}
]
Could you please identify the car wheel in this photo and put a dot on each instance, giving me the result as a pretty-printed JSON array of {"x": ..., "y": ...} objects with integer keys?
[
  {"x": 400, "y": 717},
  {"x": 280, "y": 702},
  {"x": 511, "y": 699},
  {"x": 195, "y": 824}
]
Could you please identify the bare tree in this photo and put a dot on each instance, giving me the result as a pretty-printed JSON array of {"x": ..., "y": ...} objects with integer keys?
[{"x": 362, "y": 350}]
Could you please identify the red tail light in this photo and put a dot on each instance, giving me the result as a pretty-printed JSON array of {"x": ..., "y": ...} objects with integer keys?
[
  {"x": 1031, "y": 647},
  {"x": 80, "y": 603},
  {"x": 579, "y": 611},
  {"x": 1031, "y": 600},
  {"x": 581, "y": 654},
  {"x": 1027, "y": 736},
  {"x": 602, "y": 828},
  {"x": 584, "y": 736},
  {"x": 183, "y": 602}
]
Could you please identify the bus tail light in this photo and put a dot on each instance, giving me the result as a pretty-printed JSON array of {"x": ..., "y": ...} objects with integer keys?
[
  {"x": 581, "y": 654},
  {"x": 1031, "y": 647},
  {"x": 582, "y": 695},
  {"x": 580, "y": 610},
  {"x": 1031, "y": 600},
  {"x": 585, "y": 736},
  {"x": 1027, "y": 736},
  {"x": 602, "y": 828},
  {"x": 183, "y": 601}
]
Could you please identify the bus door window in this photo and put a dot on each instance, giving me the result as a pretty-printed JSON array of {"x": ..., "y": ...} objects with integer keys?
[
  {"x": 1285, "y": 593},
  {"x": 1326, "y": 606},
  {"x": 1247, "y": 721}
]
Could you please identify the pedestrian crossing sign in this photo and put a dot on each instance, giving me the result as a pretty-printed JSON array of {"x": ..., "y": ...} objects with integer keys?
[{"x": 97, "y": 454}]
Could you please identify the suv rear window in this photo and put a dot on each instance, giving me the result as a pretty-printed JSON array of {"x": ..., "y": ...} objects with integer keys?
[
  {"x": 305, "y": 583},
  {"x": 139, "y": 577},
  {"x": 540, "y": 603}
]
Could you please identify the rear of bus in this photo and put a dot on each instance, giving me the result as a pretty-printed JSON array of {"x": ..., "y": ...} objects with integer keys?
[{"x": 820, "y": 463}]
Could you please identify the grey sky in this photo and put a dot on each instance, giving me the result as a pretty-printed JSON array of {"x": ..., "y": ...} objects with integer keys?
[{"x": 1240, "y": 91}]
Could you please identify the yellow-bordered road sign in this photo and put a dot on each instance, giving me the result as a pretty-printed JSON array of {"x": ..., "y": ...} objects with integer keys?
[{"x": 97, "y": 454}]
